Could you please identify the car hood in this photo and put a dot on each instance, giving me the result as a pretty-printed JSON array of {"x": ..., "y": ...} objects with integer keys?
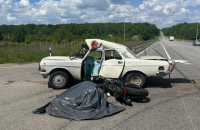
[
  {"x": 56, "y": 58},
  {"x": 153, "y": 58}
]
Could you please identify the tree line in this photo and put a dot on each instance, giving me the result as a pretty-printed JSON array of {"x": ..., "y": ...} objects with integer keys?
[
  {"x": 78, "y": 32},
  {"x": 182, "y": 31}
]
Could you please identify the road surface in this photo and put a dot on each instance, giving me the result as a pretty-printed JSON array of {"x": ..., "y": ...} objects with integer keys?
[{"x": 172, "y": 104}]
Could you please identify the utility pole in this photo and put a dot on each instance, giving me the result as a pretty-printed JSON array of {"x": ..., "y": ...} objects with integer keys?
[
  {"x": 197, "y": 31},
  {"x": 124, "y": 30}
]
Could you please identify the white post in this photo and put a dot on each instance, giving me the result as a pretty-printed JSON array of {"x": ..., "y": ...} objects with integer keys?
[{"x": 50, "y": 50}]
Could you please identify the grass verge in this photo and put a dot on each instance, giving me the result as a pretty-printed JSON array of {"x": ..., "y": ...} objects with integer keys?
[{"x": 29, "y": 53}]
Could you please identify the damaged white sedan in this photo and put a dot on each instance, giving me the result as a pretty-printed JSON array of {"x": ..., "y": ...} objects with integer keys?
[{"x": 102, "y": 58}]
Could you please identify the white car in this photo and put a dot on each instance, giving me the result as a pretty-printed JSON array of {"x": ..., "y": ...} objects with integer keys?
[
  {"x": 196, "y": 42},
  {"x": 102, "y": 58},
  {"x": 171, "y": 38}
]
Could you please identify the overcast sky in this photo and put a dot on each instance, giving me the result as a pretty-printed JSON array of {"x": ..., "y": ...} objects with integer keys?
[{"x": 163, "y": 13}]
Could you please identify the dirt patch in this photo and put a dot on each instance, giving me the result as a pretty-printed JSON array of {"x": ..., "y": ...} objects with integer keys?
[{"x": 9, "y": 82}]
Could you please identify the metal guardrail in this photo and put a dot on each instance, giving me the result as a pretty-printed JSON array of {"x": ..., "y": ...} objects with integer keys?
[{"x": 142, "y": 47}]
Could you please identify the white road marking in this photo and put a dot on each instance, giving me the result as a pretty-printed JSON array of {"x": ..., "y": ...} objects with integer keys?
[{"x": 166, "y": 51}]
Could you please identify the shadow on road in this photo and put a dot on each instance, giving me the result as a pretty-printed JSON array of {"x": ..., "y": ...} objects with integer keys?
[{"x": 163, "y": 82}]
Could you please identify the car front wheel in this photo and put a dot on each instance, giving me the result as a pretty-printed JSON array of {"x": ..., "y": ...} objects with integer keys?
[
  {"x": 58, "y": 80},
  {"x": 136, "y": 78}
]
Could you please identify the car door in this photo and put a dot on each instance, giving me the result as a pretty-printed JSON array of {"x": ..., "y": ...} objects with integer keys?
[
  {"x": 112, "y": 64},
  {"x": 92, "y": 64}
]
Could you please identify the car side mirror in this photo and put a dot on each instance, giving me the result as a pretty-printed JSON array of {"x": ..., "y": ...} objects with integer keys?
[{"x": 84, "y": 46}]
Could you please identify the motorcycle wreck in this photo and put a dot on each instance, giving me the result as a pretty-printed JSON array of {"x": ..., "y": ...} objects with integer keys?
[
  {"x": 88, "y": 100},
  {"x": 119, "y": 89}
]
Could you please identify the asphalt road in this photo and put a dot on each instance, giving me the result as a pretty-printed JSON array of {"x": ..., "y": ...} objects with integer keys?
[{"x": 172, "y": 104}]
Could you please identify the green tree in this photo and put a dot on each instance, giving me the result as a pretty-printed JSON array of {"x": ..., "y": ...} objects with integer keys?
[
  {"x": 49, "y": 38},
  {"x": 182, "y": 31},
  {"x": 146, "y": 36},
  {"x": 56, "y": 37},
  {"x": 77, "y": 32},
  {"x": 68, "y": 36},
  {"x": 29, "y": 38},
  {"x": 1, "y": 36},
  {"x": 43, "y": 37},
  {"x": 17, "y": 35}
]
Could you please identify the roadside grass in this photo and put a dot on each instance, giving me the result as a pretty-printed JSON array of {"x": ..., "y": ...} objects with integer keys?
[
  {"x": 28, "y": 53},
  {"x": 184, "y": 40}
]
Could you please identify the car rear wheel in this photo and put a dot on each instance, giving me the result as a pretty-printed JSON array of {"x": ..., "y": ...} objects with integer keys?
[
  {"x": 136, "y": 78},
  {"x": 58, "y": 80}
]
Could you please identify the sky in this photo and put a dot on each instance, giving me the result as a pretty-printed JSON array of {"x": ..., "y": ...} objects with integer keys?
[{"x": 162, "y": 13}]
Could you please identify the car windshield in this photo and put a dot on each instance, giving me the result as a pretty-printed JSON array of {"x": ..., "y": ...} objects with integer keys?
[
  {"x": 131, "y": 52},
  {"x": 79, "y": 54}
]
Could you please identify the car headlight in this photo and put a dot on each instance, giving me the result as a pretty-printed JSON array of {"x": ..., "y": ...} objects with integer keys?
[{"x": 42, "y": 70}]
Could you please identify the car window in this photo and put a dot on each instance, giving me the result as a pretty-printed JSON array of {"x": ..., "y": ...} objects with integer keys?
[
  {"x": 112, "y": 54},
  {"x": 95, "y": 55}
]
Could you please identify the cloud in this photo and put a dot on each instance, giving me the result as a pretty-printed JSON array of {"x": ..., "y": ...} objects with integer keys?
[
  {"x": 1, "y": 1},
  {"x": 24, "y": 2},
  {"x": 162, "y": 13},
  {"x": 10, "y": 18},
  {"x": 118, "y": 2},
  {"x": 157, "y": 8},
  {"x": 196, "y": 17},
  {"x": 101, "y": 5}
]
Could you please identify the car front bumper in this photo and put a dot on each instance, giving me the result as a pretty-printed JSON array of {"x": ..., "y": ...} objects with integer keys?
[{"x": 44, "y": 74}]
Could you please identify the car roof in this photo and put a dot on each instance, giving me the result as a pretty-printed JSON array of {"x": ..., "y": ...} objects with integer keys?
[{"x": 105, "y": 44}]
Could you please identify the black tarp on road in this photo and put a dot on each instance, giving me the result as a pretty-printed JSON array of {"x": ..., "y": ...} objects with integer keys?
[{"x": 82, "y": 101}]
